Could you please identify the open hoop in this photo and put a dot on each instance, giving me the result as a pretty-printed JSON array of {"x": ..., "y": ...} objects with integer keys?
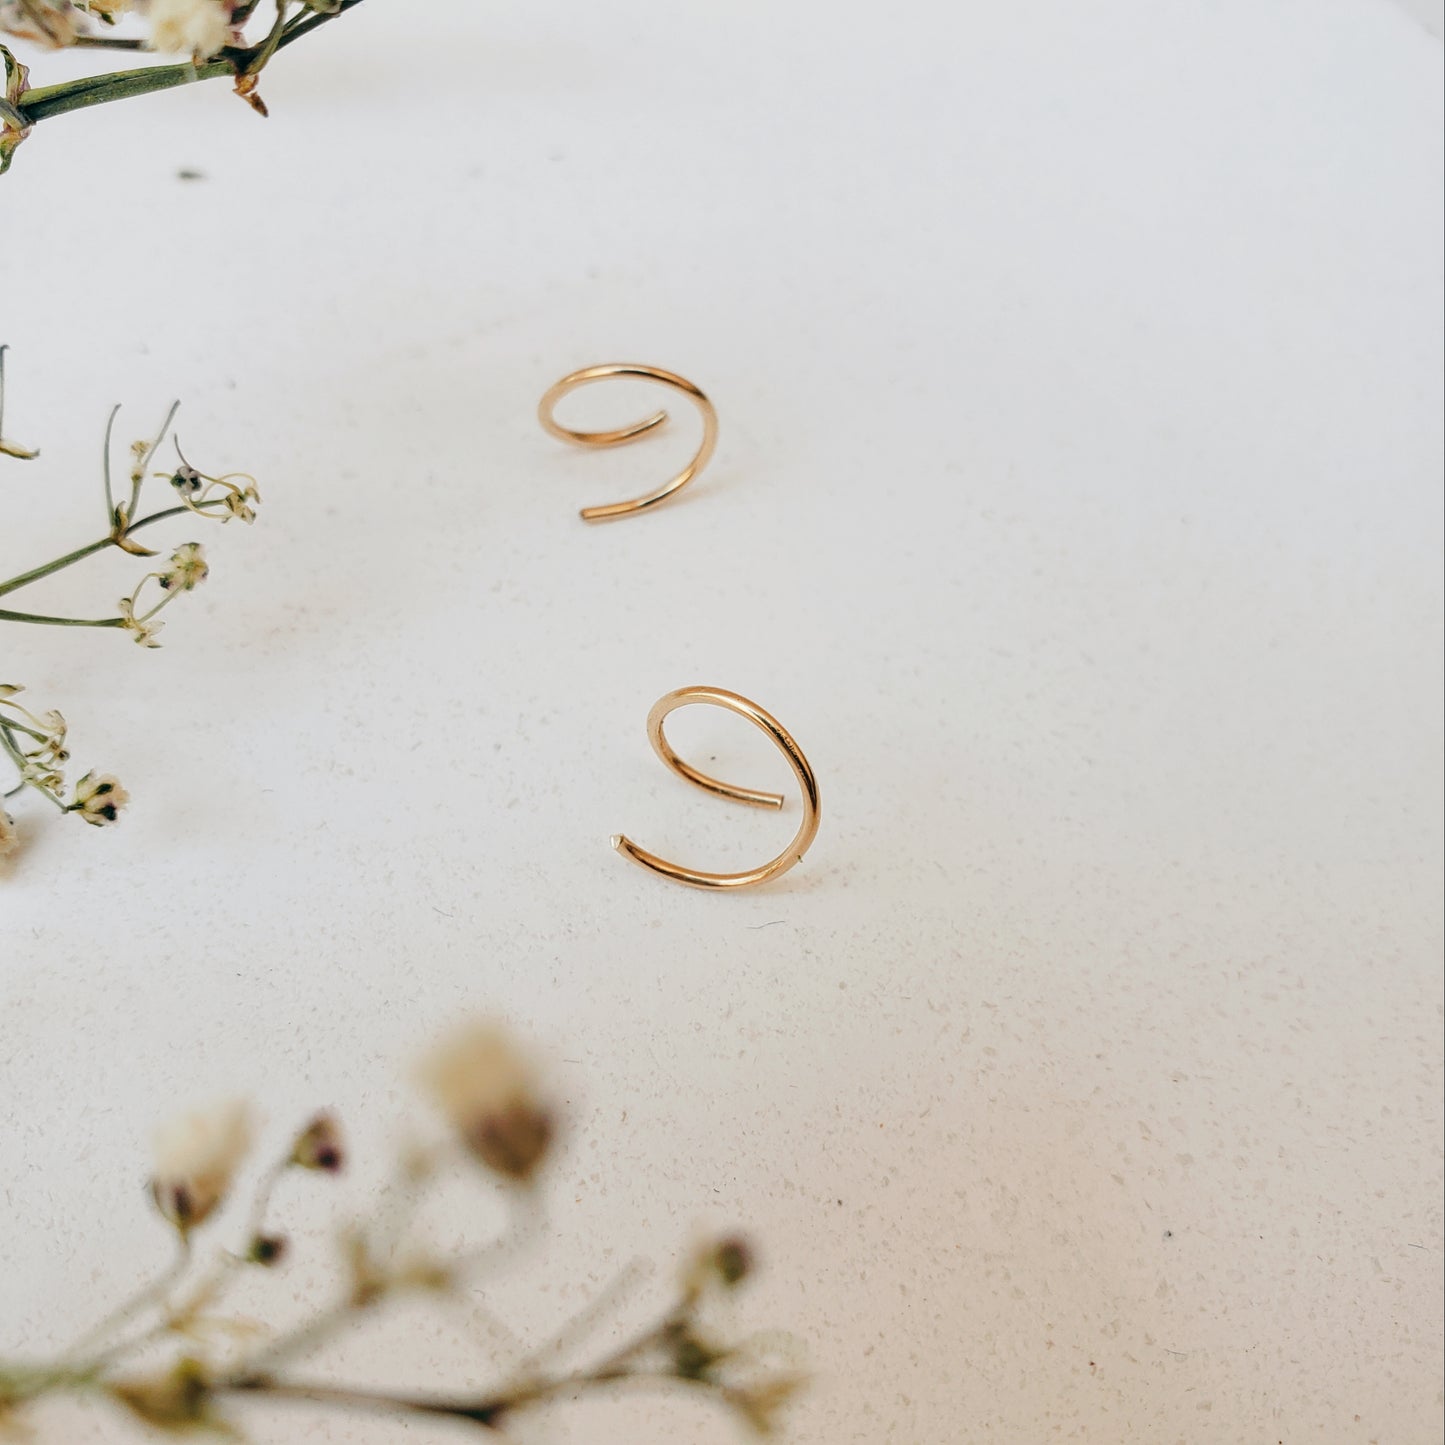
[
  {"x": 732, "y": 702},
  {"x": 621, "y": 435}
]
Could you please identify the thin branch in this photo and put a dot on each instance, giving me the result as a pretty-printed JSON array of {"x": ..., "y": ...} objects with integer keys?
[
  {"x": 40, "y": 619},
  {"x": 45, "y": 101},
  {"x": 147, "y": 1295},
  {"x": 91, "y": 548}
]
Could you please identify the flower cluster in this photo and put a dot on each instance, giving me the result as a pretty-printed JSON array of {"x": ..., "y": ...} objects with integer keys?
[
  {"x": 35, "y": 744},
  {"x": 208, "y": 35},
  {"x": 198, "y": 28},
  {"x": 490, "y": 1094}
]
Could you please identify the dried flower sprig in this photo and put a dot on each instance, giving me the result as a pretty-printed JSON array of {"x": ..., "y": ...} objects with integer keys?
[
  {"x": 35, "y": 743},
  {"x": 487, "y": 1091},
  {"x": 211, "y": 34}
]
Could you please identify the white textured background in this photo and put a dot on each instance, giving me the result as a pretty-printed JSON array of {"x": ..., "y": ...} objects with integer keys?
[{"x": 1077, "y": 506}]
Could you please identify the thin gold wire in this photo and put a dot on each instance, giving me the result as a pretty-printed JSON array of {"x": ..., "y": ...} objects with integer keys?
[
  {"x": 546, "y": 409},
  {"x": 732, "y": 702}
]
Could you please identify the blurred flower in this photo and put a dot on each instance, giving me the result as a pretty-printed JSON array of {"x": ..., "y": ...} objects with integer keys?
[
  {"x": 759, "y": 1404},
  {"x": 196, "y": 1157},
  {"x": 725, "y": 1261},
  {"x": 267, "y": 1249},
  {"x": 732, "y": 1259},
  {"x": 487, "y": 1090},
  {"x": 318, "y": 1146},
  {"x": 198, "y": 28},
  {"x": 176, "y": 1399},
  {"x": 187, "y": 569},
  {"x": 50, "y": 23},
  {"x": 98, "y": 799}
]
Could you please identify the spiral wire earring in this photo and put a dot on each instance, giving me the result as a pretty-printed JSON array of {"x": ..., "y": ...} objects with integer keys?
[
  {"x": 772, "y": 728},
  {"x": 546, "y": 409}
]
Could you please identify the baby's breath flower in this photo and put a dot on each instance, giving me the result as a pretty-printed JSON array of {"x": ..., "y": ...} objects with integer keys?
[
  {"x": 52, "y": 747},
  {"x": 51, "y": 23},
  {"x": 187, "y": 569},
  {"x": 98, "y": 799},
  {"x": 42, "y": 775},
  {"x": 176, "y": 1399},
  {"x": 759, "y": 1404},
  {"x": 487, "y": 1090},
  {"x": 197, "y": 1156},
  {"x": 319, "y": 1146},
  {"x": 9, "y": 838},
  {"x": 238, "y": 497},
  {"x": 241, "y": 502},
  {"x": 198, "y": 28},
  {"x": 139, "y": 450},
  {"x": 186, "y": 479},
  {"x": 143, "y": 630},
  {"x": 267, "y": 1249}
]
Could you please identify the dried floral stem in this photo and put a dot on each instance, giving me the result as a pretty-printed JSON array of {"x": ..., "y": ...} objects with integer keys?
[
  {"x": 91, "y": 548},
  {"x": 490, "y": 1099},
  {"x": 46, "y": 101},
  {"x": 149, "y": 1294},
  {"x": 488, "y": 1412},
  {"x": 35, "y": 743},
  {"x": 40, "y": 619}
]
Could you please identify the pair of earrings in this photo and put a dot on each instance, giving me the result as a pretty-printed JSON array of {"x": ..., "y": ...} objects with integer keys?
[{"x": 713, "y": 696}]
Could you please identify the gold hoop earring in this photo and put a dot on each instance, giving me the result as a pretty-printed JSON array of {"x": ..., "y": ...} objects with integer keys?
[
  {"x": 622, "y": 435},
  {"x": 807, "y": 830}
]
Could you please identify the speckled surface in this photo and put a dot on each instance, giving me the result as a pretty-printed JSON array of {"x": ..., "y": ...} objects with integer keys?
[{"x": 1076, "y": 507}]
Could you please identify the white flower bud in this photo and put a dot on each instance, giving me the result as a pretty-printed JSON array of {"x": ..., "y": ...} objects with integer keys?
[
  {"x": 198, "y": 28},
  {"x": 487, "y": 1089},
  {"x": 196, "y": 1158}
]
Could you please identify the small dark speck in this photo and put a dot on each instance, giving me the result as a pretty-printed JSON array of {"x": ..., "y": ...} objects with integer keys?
[
  {"x": 187, "y": 174},
  {"x": 1168, "y": 1234}
]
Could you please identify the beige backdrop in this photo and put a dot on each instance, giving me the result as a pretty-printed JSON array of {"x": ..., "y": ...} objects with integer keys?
[{"x": 1076, "y": 506}]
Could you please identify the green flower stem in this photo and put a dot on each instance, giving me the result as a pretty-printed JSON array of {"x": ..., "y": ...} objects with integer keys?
[
  {"x": 152, "y": 1293},
  {"x": 8, "y": 743},
  {"x": 139, "y": 471},
  {"x": 79, "y": 555},
  {"x": 7, "y": 616},
  {"x": 267, "y": 47},
  {"x": 91, "y": 548},
  {"x": 45, "y": 101},
  {"x": 107, "y": 42},
  {"x": 48, "y": 100}
]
